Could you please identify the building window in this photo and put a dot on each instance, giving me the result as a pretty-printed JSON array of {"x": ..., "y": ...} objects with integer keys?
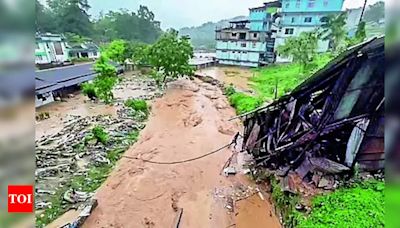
[
  {"x": 298, "y": 4},
  {"x": 287, "y": 5},
  {"x": 292, "y": 19},
  {"x": 254, "y": 44},
  {"x": 243, "y": 44},
  {"x": 242, "y": 36},
  {"x": 254, "y": 35},
  {"x": 324, "y": 19},
  {"x": 326, "y": 3},
  {"x": 58, "y": 48},
  {"x": 289, "y": 31},
  {"x": 308, "y": 19},
  {"x": 234, "y": 34},
  {"x": 311, "y": 3}
]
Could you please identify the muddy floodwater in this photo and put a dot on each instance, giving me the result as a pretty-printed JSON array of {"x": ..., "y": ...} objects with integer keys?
[
  {"x": 189, "y": 120},
  {"x": 237, "y": 76}
]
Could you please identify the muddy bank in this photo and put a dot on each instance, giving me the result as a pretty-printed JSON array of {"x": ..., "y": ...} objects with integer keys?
[{"x": 188, "y": 121}]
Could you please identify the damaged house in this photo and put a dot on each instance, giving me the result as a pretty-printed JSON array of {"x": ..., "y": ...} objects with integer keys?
[{"x": 328, "y": 124}]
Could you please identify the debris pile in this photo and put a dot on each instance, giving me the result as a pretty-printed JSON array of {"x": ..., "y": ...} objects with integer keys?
[
  {"x": 327, "y": 125},
  {"x": 68, "y": 154}
]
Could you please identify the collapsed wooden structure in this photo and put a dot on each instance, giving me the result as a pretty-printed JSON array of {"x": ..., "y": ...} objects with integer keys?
[{"x": 328, "y": 123}]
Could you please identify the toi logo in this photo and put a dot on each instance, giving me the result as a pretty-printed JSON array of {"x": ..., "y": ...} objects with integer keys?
[{"x": 20, "y": 198}]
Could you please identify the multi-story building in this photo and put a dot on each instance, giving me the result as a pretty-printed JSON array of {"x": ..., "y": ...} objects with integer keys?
[
  {"x": 50, "y": 48},
  {"x": 248, "y": 42},
  {"x": 299, "y": 16}
]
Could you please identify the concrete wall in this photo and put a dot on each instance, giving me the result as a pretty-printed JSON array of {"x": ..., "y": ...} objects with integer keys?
[
  {"x": 253, "y": 46},
  {"x": 312, "y": 5},
  {"x": 257, "y": 18},
  {"x": 238, "y": 63},
  {"x": 300, "y": 19},
  {"x": 46, "y": 98}
]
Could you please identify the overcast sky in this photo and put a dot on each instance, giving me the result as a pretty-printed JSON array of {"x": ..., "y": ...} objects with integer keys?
[{"x": 182, "y": 13}]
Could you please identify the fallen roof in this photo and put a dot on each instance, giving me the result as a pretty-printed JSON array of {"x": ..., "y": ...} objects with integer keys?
[{"x": 328, "y": 123}]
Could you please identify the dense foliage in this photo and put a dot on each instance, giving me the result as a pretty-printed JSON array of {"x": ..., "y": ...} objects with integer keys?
[
  {"x": 203, "y": 36},
  {"x": 170, "y": 55},
  {"x": 71, "y": 17}
]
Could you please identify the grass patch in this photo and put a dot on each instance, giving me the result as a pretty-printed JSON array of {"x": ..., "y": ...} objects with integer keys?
[
  {"x": 362, "y": 205},
  {"x": 284, "y": 77},
  {"x": 244, "y": 103},
  {"x": 240, "y": 101}
]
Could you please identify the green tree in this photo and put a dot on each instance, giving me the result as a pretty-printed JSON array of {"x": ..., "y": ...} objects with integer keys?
[
  {"x": 73, "y": 38},
  {"x": 334, "y": 30},
  {"x": 139, "y": 53},
  {"x": 127, "y": 25},
  {"x": 104, "y": 82},
  {"x": 170, "y": 55},
  {"x": 71, "y": 16},
  {"x": 44, "y": 19},
  {"x": 302, "y": 49},
  {"x": 116, "y": 50}
]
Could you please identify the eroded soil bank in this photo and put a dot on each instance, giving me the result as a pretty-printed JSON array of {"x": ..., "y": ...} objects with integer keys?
[{"x": 188, "y": 121}]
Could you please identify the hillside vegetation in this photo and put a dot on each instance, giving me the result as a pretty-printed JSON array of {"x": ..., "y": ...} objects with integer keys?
[{"x": 203, "y": 36}]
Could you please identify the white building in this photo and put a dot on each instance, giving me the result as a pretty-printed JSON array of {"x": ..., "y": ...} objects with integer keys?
[
  {"x": 50, "y": 48},
  {"x": 85, "y": 50}
]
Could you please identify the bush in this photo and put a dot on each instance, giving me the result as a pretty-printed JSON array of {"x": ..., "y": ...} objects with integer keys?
[
  {"x": 89, "y": 90},
  {"x": 100, "y": 134},
  {"x": 229, "y": 90},
  {"x": 244, "y": 103},
  {"x": 138, "y": 105}
]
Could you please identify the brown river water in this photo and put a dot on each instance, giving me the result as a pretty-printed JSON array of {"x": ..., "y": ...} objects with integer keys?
[{"x": 188, "y": 121}]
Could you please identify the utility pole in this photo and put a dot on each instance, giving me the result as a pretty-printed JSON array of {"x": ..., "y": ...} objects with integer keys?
[{"x": 363, "y": 10}]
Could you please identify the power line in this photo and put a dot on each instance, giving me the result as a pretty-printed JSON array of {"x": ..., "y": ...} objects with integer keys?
[{"x": 182, "y": 161}]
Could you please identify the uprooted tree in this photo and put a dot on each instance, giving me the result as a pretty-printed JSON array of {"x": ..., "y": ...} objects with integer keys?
[
  {"x": 169, "y": 57},
  {"x": 302, "y": 49}
]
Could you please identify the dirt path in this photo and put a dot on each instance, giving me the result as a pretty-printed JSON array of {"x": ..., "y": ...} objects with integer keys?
[{"x": 189, "y": 121}]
